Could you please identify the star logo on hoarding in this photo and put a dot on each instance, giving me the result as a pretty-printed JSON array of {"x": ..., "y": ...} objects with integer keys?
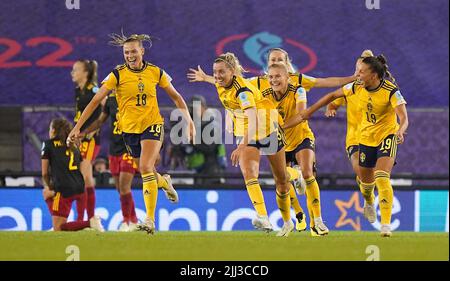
[{"x": 344, "y": 206}]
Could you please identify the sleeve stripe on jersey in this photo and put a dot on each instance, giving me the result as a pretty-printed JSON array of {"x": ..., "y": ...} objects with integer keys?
[
  {"x": 300, "y": 77},
  {"x": 353, "y": 87},
  {"x": 236, "y": 85},
  {"x": 259, "y": 84},
  {"x": 392, "y": 93},
  {"x": 160, "y": 74},
  {"x": 244, "y": 89},
  {"x": 116, "y": 73}
]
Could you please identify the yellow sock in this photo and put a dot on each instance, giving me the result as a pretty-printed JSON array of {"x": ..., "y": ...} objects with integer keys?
[
  {"x": 284, "y": 204},
  {"x": 293, "y": 173},
  {"x": 162, "y": 183},
  {"x": 367, "y": 190},
  {"x": 313, "y": 195},
  {"x": 294, "y": 200},
  {"x": 257, "y": 197},
  {"x": 310, "y": 212},
  {"x": 150, "y": 191},
  {"x": 385, "y": 195}
]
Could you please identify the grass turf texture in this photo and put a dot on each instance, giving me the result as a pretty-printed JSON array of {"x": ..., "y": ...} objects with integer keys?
[{"x": 221, "y": 246}]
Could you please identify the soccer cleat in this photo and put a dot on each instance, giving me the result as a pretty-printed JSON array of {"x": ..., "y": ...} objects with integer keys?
[
  {"x": 300, "y": 183},
  {"x": 287, "y": 228},
  {"x": 386, "y": 230},
  {"x": 370, "y": 213},
  {"x": 171, "y": 193},
  {"x": 300, "y": 223},
  {"x": 321, "y": 228},
  {"x": 314, "y": 232},
  {"x": 132, "y": 227},
  {"x": 124, "y": 227},
  {"x": 262, "y": 223},
  {"x": 96, "y": 223},
  {"x": 148, "y": 226}
]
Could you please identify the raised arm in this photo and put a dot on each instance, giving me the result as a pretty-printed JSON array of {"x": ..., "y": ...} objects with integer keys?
[
  {"x": 181, "y": 104},
  {"x": 198, "y": 75},
  {"x": 403, "y": 118},
  {"x": 331, "y": 82},
  {"x": 306, "y": 114}
]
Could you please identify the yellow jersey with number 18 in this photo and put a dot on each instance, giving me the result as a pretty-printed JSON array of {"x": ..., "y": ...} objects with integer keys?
[{"x": 136, "y": 95}]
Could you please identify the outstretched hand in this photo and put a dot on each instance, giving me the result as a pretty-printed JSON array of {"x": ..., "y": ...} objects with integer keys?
[{"x": 196, "y": 75}]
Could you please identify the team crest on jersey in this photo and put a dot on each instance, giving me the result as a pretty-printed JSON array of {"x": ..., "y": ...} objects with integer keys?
[
  {"x": 369, "y": 107},
  {"x": 141, "y": 86},
  {"x": 362, "y": 157}
]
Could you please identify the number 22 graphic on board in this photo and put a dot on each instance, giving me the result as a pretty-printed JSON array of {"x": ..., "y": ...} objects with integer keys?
[{"x": 53, "y": 59}]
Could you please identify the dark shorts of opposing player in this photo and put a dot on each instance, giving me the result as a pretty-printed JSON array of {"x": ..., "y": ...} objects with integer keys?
[
  {"x": 368, "y": 155},
  {"x": 89, "y": 149},
  {"x": 60, "y": 206},
  {"x": 269, "y": 145},
  {"x": 305, "y": 144},
  {"x": 133, "y": 141},
  {"x": 122, "y": 164}
]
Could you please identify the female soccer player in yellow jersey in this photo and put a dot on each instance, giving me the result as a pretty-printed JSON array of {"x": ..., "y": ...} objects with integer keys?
[
  {"x": 140, "y": 120},
  {"x": 256, "y": 130},
  {"x": 290, "y": 100},
  {"x": 352, "y": 139},
  {"x": 278, "y": 55},
  {"x": 380, "y": 103}
]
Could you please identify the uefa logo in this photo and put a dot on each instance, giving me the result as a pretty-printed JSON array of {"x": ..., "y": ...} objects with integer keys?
[{"x": 252, "y": 50}]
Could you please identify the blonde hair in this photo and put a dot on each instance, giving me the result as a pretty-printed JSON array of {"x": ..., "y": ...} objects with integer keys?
[
  {"x": 232, "y": 62},
  {"x": 286, "y": 58},
  {"x": 366, "y": 53},
  {"x": 120, "y": 39},
  {"x": 279, "y": 66}
]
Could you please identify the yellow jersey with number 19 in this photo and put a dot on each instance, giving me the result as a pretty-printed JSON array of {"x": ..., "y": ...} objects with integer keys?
[
  {"x": 377, "y": 107},
  {"x": 136, "y": 95}
]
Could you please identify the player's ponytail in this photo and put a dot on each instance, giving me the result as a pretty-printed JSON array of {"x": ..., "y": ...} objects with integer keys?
[
  {"x": 92, "y": 67},
  {"x": 287, "y": 59},
  {"x": 119, "y": 40},
  {"x": 366, "y": 53},
  {"x": 62, "y": 129},
  {"x": 379, "y": 65},
  {"x": 382, "y": 59},
  {"x": 232, "y": 62}
]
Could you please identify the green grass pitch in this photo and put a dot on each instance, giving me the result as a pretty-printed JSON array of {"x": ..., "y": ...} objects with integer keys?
[{"x": 222, "y": 246}]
